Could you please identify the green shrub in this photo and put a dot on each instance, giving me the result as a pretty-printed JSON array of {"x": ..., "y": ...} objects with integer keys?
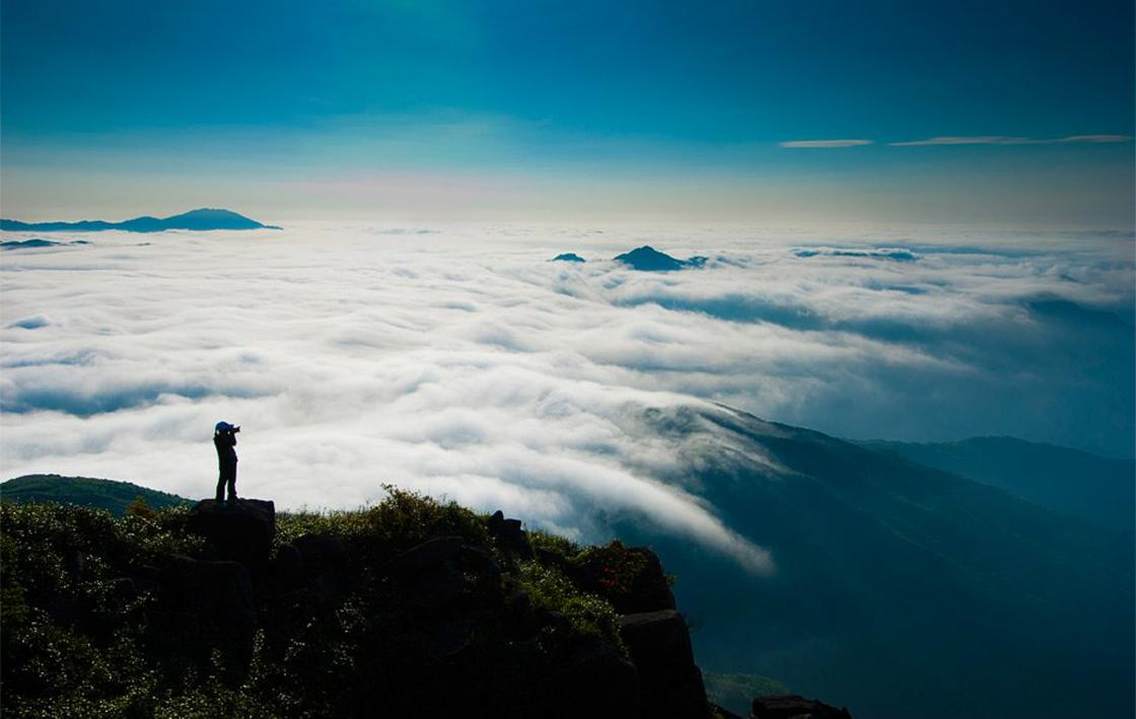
[
  {"x": 587, "y": 613},
  {"x": 397, "y": 523},
  {"x": 564, "y": 548},
  {"x": 616, "y": 567}
]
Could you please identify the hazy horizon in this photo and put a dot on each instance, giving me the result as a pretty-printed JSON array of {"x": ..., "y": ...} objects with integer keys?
[{"x": 503, "y": 111}]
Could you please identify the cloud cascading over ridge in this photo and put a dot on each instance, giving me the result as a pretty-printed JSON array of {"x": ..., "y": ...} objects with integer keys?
[{"x": 461, "y": 362}]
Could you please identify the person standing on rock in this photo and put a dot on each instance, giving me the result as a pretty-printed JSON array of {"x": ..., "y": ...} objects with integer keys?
[{"x": 225, "y": 440}]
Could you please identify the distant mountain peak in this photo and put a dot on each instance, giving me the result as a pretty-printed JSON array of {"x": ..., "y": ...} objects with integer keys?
[
  {"x": 648, "y": 259},
  {"x": 202, "y": 220},
  {"x": 209, "y": 212},
  {"x": 568, "y": 257}
]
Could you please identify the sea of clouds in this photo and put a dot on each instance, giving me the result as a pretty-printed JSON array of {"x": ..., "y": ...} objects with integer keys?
[{"x": 462, "y": 363}]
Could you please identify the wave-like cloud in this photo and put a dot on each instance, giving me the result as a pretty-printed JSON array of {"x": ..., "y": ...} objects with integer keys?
[{"x": 460, "y": 363}]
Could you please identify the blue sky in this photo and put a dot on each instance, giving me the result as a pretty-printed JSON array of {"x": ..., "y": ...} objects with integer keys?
[{"x": 560, "y": 108}]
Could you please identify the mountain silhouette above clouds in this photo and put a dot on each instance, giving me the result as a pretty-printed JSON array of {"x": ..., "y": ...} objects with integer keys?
[
  {"x": 200, "y": 220},
  {"x": 648, "y": 259}
]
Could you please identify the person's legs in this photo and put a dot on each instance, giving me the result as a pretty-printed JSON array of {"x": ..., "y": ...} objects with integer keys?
[
  {"x": 221, "y": 486},
  {"x": 231, "y": 478}
]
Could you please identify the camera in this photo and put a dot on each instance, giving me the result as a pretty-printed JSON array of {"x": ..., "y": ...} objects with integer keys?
[{"x": 234, "y": 430}]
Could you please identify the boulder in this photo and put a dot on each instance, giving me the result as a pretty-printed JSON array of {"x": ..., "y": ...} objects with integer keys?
[
  {"x": 241, "y": 531},
  {"x": 205, "y": 605},
  {"x": 791, "y": 706},
  {"x": 670, "y": 683},
  {"x": 509, "y": 536}
]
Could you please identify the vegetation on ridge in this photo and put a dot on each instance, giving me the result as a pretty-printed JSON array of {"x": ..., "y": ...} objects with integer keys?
[{"x": 87, "y": 615}]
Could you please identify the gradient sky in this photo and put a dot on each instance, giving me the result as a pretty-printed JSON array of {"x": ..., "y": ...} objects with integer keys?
[{"x": 571, "y": 110}]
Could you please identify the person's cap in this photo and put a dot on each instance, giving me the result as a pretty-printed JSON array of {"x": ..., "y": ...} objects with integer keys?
[{"x": 222, "y": 426}]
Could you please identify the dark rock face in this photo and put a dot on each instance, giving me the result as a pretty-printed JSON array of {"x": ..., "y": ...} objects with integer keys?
[
  {"x": 204, "y": 605},
  {"x": 241, "y": 532},
  {"x": 612, "y": 684},
  {"x": 791, "y": 706},
  {"x": 670, "y": 684},
  {"x": 568, "y": 257}
]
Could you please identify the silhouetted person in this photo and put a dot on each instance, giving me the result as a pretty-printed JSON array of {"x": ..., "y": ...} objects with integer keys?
[{"x": 225, "y": 439}]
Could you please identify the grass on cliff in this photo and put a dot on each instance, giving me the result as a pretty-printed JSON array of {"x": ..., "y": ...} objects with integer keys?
[
  {"x": 402, "y": 520},
  {"x": 405, "y": 519}
]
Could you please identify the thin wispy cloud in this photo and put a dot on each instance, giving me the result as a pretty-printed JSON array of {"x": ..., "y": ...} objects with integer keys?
[
  {"x": 1096, "y": 138},
  {"x": 824, "y": 144},
  {"x": 1011, "y": 140}
]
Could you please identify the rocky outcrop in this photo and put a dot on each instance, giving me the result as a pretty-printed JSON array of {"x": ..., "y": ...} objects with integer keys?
[
  {"x": 791, "y": 706},
  {"x": 509, "y": 536},
  {"x": 240, "y": 531},
  {"x": 670, "y": 683}
]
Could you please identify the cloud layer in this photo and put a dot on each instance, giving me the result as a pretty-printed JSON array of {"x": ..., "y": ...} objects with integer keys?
[{"x": 461, "y": 363}]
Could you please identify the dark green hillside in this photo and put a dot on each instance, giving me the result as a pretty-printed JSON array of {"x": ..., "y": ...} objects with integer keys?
[
  {"x": 1100, "y": 490},
  {"x": 106, "y": 494}
]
